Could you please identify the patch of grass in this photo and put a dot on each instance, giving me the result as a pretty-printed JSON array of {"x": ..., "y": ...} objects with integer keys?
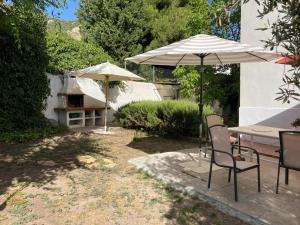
[
  {"x": 47, "y": 201},
  {"x": 19, "y": 211},
  {"x": 154, "y": 201},
  {"x": 96, "y": 192},
  {"x": 128, "y": 196},
  {"x": 17, "y": 199},
  {"x": 19, "y": 208},
  {"x": 22, "y": 136},
  {"x": 29, "y": 218}
]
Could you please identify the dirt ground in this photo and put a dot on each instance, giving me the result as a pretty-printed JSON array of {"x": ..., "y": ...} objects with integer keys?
[{"x": 84, "y": 178}]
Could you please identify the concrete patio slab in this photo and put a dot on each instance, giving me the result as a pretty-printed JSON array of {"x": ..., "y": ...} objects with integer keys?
[{"x": 178, "y": 170}]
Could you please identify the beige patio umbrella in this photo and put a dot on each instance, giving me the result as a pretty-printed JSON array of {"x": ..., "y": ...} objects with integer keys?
[
  {"x": 106, "y": 72},
  {"x": 203, "y": 50}
]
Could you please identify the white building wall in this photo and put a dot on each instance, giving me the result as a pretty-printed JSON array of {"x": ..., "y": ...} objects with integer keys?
[
  {"x": 56, "y": 85},
  {"x": 94, "y": 95},
  {"x": 260, "y": 81},
  {"x": 133, "y": 92}
]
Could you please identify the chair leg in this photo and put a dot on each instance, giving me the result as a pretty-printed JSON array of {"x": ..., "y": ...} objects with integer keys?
[
  {"x": 235, "y": 186},
  {"x": 229, "y": 175},
  {"x": 258, "y": 178},
  {"x": 286, "y": 176},
  {"x": 239, "y": 143},
  {"x": 277, "y": 183},
  {"x": 209, "y": 176}
]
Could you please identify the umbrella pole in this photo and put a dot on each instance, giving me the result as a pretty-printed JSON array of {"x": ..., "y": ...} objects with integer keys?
[
  {"x": 201, "y": 102},
  {"x": 106, "y": 102}
]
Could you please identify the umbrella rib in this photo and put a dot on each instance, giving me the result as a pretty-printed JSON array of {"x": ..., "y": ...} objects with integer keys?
[
  {"x": 218, "y": 58},
  {"x": 147, "y": 59},
  {"x": 180, "y": 59},
  {"x": 257, "y": 56}
]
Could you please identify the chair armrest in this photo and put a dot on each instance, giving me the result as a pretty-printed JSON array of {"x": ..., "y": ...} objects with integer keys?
[
  {"x": 247, "y": 149},
  {"x": 227, "y": 153}
]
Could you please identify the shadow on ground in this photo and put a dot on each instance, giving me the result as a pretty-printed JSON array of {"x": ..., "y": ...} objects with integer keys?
[
  {"x": 21, "y": 165},
  {"x": 186, "y": 210},
  {"x": 155, "y": 144}
]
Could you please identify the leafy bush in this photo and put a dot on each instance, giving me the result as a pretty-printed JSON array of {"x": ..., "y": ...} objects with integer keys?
[
  {"x": 23, "y": 61},
  {"x": 32, "y": 134},
  {"x": 66, "y": 54},
  {"x": 174, "y": 118}
]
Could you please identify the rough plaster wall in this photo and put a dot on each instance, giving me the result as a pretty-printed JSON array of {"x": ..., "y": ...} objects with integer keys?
[
  {"x": 94, "y": 96},
  {"x": 133, "y": 92},
  {"x": 260, "y": 81},
  {"x": 55, "y": 84}
]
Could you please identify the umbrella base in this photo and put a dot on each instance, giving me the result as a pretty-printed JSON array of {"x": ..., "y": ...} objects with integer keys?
[{"x": 104, "y": 131}]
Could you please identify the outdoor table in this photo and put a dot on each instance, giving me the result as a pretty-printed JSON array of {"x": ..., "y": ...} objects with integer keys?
[{"x": 258, "y": 131}]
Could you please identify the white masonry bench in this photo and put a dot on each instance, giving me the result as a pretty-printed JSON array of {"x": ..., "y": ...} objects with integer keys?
[{"x": 80, "y": 116}]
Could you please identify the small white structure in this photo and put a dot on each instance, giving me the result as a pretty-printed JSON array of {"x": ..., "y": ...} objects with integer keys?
[
  {"x": 260, "y": 81},
  {"x": 78, "y": 102},
  {"x": 107, "y": 72}
]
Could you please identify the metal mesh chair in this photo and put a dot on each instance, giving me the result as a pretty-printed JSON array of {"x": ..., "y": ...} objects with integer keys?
[
  {"x": 289, "y": 153},
  {"x": 212, "y": 120},
  {"x": 222, "y": 155}
]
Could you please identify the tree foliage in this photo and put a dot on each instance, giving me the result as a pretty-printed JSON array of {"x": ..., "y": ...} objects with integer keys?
[
  {"x": 220, "y": 83},
  {"x": 66, "y": 54},
  {"x": 200, "y": 17},
  {"x": 189, "y": 79},
  {"x": 35, "y": 5},
  {"x": 124, "y": 31},
  {"x": 118, "y": 26},
  {"x": 23, "y": 60},
  {"x": 167, "y": 25}
]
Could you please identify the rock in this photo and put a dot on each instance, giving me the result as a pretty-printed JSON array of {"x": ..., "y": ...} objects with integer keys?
[
  {"x": 75, "y": 33},
  {"x": 86, "y": 159},
  {"x": 109, "y": 163},
  {"x": 50, "y": 21},
  {"x": 46, "y": 163}
]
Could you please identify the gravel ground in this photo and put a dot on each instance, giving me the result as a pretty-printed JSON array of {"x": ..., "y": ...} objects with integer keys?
[{"x": 85, "y": 178}]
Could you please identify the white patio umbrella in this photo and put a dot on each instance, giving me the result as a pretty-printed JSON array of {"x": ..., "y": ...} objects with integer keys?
[
  {"x": 203, "y": 50},
  {"x": 106, "y": 72}
]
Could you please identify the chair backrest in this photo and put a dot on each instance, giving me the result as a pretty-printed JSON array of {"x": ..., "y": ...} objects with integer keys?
[
  {"x": 220, "y": 139},
  {"x": 213, "y": 119},
  {"x": 290, "y": 149}
]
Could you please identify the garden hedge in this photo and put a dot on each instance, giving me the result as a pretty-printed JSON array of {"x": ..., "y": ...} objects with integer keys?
[
  {"x": 170, "y": 117},
  {"x": 23, "y": 61}
]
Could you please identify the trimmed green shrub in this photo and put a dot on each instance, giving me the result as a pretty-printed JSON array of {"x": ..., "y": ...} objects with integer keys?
[{"x": 173, "y": 118}]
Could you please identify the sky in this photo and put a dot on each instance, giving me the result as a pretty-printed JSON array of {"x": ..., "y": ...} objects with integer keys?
[{"x": 67, "y": 13}]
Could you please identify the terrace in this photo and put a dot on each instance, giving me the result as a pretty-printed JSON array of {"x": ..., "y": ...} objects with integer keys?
[{"x": 178, "y": 170}]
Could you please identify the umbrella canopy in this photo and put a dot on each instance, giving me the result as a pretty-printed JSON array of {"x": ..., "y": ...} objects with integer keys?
[
  {"x": 215, "y": 50},
  {"x": 290, "y": 60},
  {"x": 204, "y": 50},
  {"x": 104, "y": 70}
]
